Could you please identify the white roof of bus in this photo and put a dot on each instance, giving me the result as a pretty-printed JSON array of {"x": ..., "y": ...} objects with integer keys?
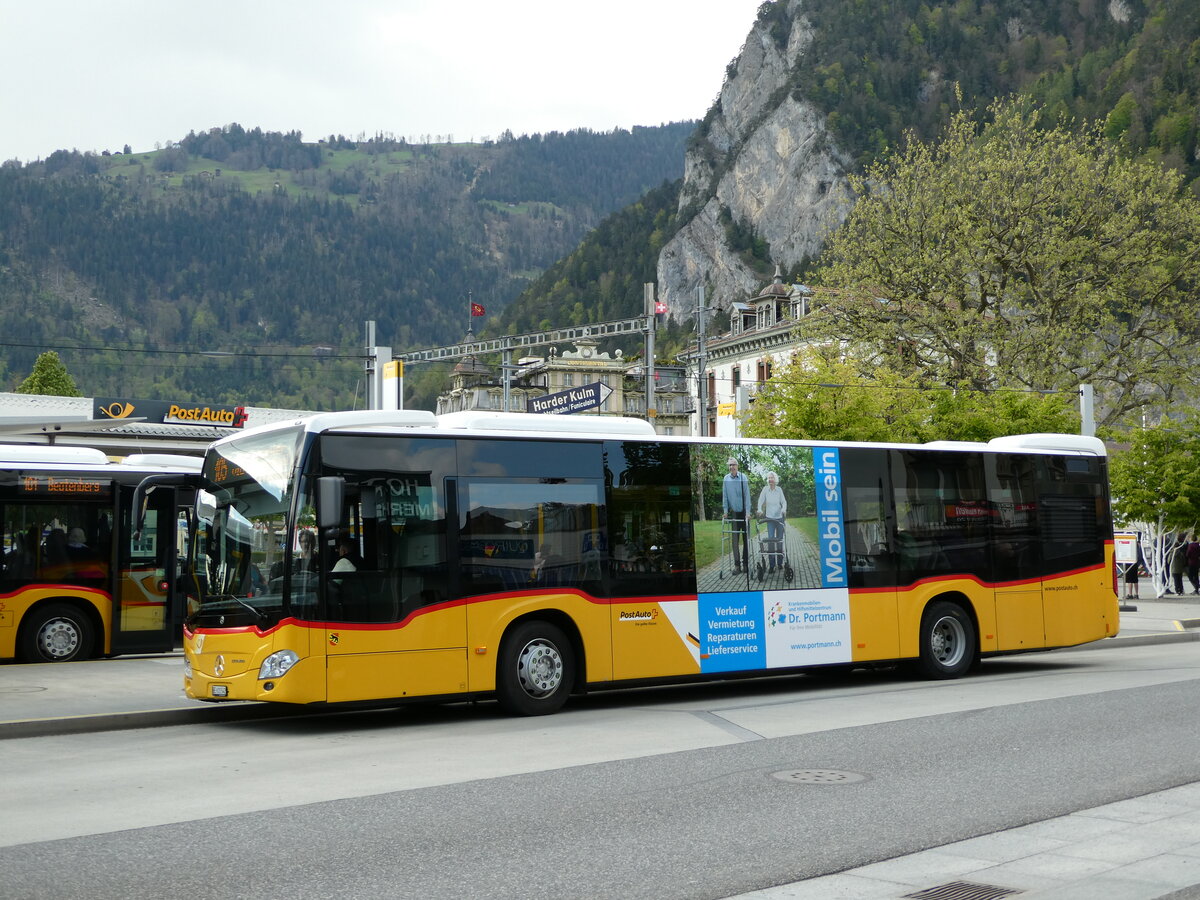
[
  {"x": 63, "y": 458},
  {"x": 40, "y": 455},
  {"x": 618, "y": 427},
  {"x": 1079, "y": 443},
  {"x": 489, "y": 422}
]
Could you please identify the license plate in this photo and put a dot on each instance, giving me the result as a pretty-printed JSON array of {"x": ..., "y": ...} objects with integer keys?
[{"x": 220, "y": 690}]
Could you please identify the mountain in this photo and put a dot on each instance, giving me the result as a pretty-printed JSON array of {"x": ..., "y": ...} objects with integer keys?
[
  {"x": 823, "y": 86},
  {"x": 249, "y": 245}
]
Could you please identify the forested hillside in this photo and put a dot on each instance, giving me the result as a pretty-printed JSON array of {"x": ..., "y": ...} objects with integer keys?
[
  {"x": 261, "y": 245},
  {"x": 879, "y": 69}
]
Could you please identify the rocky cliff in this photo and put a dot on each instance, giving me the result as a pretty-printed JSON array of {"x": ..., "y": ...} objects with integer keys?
[{"x": 766, "y": 161}]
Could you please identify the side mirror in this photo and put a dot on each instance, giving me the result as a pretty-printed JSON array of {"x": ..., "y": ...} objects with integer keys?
[{"x": 331, "y": 493}]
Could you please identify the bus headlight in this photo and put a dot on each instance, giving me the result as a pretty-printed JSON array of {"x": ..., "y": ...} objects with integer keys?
[
  {"x": 275, "y": 665},
  {"x": 187, "y": 668}
]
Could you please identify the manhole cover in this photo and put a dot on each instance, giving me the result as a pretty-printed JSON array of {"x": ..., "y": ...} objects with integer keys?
[{"x": 819, "y": 776}]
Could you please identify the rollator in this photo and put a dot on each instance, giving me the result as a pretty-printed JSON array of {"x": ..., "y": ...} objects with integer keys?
[{"x": 772, "y": 552}]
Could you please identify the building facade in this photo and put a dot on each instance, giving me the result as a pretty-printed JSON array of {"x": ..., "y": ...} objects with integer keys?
[{"x": 730, "y": 368}]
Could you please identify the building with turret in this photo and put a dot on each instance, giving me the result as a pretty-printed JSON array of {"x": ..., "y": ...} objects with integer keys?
[{"x": 731, "y": 367}]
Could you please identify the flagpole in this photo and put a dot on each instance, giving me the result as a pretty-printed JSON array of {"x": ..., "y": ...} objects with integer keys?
[{"x": 470, "y": 315}]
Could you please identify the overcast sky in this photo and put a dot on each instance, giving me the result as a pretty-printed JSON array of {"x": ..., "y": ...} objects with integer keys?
[{"x": 87, "y": 75}]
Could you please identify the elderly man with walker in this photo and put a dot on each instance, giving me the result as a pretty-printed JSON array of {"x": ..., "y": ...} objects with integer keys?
[{"x": 735, "y": 505}]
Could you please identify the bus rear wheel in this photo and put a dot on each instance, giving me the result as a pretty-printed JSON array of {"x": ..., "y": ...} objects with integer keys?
[
  {"x": 56, "y": 633},
  {"x": 536, "y": 670},
  {"x": 947, "y": 641}
]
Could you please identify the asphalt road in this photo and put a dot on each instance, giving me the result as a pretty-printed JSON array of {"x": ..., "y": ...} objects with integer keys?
[{"x": 667, "y": 793}]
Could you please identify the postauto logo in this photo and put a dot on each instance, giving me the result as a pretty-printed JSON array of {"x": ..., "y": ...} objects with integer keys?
[
  {"x": 117, "y": 410},
  {"x": 206, "y": 415},
  {"x": 170, "y": 413}
]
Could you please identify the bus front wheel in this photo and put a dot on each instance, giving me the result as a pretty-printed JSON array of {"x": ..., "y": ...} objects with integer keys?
[
  {"x": 536, "y": 670},
  {"x": 947, "y": 641},
  {"x": 56, "y": 633}
]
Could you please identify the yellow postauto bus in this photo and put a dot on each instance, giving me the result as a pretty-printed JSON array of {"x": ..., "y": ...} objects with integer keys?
[
  {"x": 402, "y": 556},
  {"x": 76, "y": 579}
]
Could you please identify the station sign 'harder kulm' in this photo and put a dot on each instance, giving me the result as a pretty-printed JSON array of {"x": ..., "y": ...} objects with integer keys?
[
  {"x": 588, "y": 396},
  {"x": 199, "y": 414}
]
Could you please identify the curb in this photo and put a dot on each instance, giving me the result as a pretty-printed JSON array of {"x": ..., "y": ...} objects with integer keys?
[
  {"x": 1141, "y": 640},
  {"x": 153, "y": 718}
]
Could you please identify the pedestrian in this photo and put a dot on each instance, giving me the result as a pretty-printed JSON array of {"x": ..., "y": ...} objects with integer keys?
[
  {"x": 1193, "y": 563},
  {"x": 1178, "y": 562},
  {"x": 1132, "y": 590}
]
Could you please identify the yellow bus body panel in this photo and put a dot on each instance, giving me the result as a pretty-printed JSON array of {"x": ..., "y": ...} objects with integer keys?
[
  {"x": 423, "y": 655},
  {"x": 16, "y": 605},
  {"x": 1072, "y": 616},
  {"x": 646, "y": 645},
  {"x": 400, "y": 675},
  {"x": 874, "y": 629}
]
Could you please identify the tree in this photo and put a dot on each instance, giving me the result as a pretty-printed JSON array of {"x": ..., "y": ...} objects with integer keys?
[
  {"x": 824, "y": 395},
  {"x": 49, "y": 377},
  {"x": 1156, "y": 488},
  {"x": 1014, "y": 254}
]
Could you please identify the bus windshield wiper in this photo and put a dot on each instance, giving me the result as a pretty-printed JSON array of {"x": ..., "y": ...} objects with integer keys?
[{"x": 258, "y": 613}]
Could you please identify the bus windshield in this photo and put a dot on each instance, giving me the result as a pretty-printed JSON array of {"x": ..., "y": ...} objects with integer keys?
[{"x": 243, "y": 529}]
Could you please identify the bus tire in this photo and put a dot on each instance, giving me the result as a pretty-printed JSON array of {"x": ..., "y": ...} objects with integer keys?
[
  {"x": 536, "y": 669},
  {"x": 59, "y": 632},
  {"x": 948, "y": 644}
]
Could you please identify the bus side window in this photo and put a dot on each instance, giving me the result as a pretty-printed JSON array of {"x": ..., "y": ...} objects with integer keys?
[
  {"x": 871, "y": 557},
  {"x": 1012, "y": 492},
  {"x": 396, "y": 499},
  {"x": 942, "y": 514},
  {"x": 650, "y": 519},
  {"x": 1073, "y": 512},
  {"x": 522, "y": 533}
]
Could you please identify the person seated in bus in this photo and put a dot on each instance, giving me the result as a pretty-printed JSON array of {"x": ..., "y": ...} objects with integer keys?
[
  {"x": 85, "y": 561},
  {"x": 348, "y": 558},
  {"x": 77, "y": 547}
]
